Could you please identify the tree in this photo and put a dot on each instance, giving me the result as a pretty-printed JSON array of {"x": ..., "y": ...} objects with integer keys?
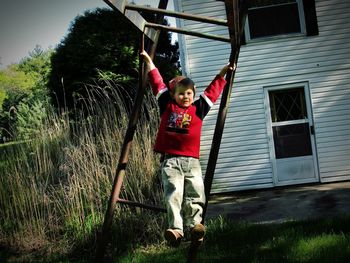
[
  {"x": 23, "y": 95},
  {"x": 38, "y": 66},
  {"x": 101, "y": 43}
]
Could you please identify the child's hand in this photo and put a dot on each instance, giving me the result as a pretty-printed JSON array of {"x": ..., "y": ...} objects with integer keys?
[
  {"x": 147, "y": 59},
  {"x": 145, "y": 56},
  {"x": 227, "y": 67}
]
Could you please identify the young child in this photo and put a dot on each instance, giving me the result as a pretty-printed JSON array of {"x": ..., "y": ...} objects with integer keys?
[{"x": 178, "y": 139}]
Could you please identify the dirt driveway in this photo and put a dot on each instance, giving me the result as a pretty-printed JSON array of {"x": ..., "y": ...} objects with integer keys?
[{"x": 283, "y": 204}]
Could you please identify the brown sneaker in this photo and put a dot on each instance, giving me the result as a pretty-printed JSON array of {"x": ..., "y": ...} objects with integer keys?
[
  {"x": 173, "y": 237},
  {"x": 197, "y": 233}
]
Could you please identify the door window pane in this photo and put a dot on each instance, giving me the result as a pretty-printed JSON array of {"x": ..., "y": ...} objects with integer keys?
[
  {"x": 273, "y": 17},
  {"x": 287, "y": 105},
  {"x": 292, "y": 140}
]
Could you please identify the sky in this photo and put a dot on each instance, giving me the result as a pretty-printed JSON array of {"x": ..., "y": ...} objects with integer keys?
[{"x": 27, "y": 23}]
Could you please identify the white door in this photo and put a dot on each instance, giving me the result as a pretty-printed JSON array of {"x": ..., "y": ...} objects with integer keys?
[{"x": 291, "y": 134}]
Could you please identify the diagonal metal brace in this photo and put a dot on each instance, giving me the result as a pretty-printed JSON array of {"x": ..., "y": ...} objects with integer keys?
[
  {"x": 236, "y": 13},
  {"x": 204, "y": 19},
  {"x": 123, "y": 159}
]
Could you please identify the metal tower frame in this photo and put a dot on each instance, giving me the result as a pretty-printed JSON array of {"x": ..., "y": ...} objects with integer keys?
[{"x": 235, "y": 12}]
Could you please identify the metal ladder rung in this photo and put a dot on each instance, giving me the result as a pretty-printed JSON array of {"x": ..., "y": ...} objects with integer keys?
[
  {"x": 137, "y": 204},
  {"x": 204, "y": 19},
  {"x": 189, "y": 32}
]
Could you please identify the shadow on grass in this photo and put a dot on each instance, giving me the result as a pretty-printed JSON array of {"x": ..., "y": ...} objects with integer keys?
[
  {"x": 79, "y": 254},
  {"x": 326, "y": 240},
  {"x": 127, "y": 232}
]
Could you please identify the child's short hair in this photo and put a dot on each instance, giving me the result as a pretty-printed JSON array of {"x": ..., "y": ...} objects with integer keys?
[{"x": 181, "y": 81}]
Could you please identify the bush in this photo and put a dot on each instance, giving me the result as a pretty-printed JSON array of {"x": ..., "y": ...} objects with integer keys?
[{"x": 24, "y": 98}]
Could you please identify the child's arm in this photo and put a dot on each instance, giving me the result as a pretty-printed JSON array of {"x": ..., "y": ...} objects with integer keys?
[
  {"x": 148, "y": 60},
  {"x": 227, "y": 67},
  {"x": 155, "y": 79},
  {"x": 213, "y": 91},
  {"x": 159, "y": 89}
]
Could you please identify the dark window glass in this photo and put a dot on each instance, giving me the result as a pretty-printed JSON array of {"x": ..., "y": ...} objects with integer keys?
[
  {"x": 270, "y": 18},
  {"x": 287, "y": 105},
  {"x": 292, "y": 140}
]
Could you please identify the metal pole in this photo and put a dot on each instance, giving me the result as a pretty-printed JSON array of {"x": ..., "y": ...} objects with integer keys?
[
  {"x": 188, "y": 32},
  {"x": 198, "y": 18},
  {"x": 136, "y": 204},
  {"x": 214, "y": 151},
  {"x": 236, "y": 13},
  {"x": 123, "y": 160},
  {"x": 235, "y": 18}
]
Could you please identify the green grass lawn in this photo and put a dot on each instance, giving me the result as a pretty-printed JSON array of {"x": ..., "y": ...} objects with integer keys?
[
  {"x": 303, "y": 241},
  {"x": 326, "y": 240}
]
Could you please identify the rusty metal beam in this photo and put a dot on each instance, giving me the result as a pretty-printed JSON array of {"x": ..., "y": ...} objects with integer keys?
[
  {"x": 193, "y": 17},
  {"x": 125, "y": 149},
  {"x": 120, "y": 171},
  {"x": 236, "y": 12},
  {"x": 188, "y": 32},
  {"x": 137, "y": 204}
]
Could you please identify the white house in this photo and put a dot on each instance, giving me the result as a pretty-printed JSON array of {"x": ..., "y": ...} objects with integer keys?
[{"x": 289, "y": 116}]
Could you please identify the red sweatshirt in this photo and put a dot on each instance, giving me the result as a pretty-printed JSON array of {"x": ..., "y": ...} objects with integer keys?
[{"x": 180, "y": 128}]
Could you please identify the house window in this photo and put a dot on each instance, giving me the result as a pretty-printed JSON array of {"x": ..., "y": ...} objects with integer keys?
[
  {"x": 290, "y": 125},
  {"x": 269, "y": 18}
]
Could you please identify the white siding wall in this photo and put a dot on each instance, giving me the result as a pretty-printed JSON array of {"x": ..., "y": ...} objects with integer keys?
[{"x": 323, "y": 61}]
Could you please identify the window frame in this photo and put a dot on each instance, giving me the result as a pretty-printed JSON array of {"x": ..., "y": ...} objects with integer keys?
[{"x": 280, "y": 36}]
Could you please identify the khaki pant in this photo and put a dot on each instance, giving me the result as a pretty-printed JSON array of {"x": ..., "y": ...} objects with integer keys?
[{"x": 183, "y": 191}]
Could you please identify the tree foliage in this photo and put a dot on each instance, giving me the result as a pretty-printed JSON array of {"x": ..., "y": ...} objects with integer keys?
[
  {"x": 37, "y": 66},
  {"x": 12, "y": 78},
  {"x": 102, "y": 44},
  {"x": 24, "y": 96}
]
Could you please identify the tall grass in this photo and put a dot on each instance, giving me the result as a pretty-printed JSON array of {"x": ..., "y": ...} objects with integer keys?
[{"x": 54, "y": 188}]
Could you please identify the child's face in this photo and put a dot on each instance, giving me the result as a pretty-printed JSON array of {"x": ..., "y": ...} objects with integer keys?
[{"x": 184, "y": 96}]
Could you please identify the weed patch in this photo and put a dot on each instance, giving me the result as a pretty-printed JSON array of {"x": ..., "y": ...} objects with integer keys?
[{"x": 54, "y": 188}]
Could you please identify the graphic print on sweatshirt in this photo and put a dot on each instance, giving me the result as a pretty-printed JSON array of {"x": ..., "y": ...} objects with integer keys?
[{"x": 179, "y": 122}]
